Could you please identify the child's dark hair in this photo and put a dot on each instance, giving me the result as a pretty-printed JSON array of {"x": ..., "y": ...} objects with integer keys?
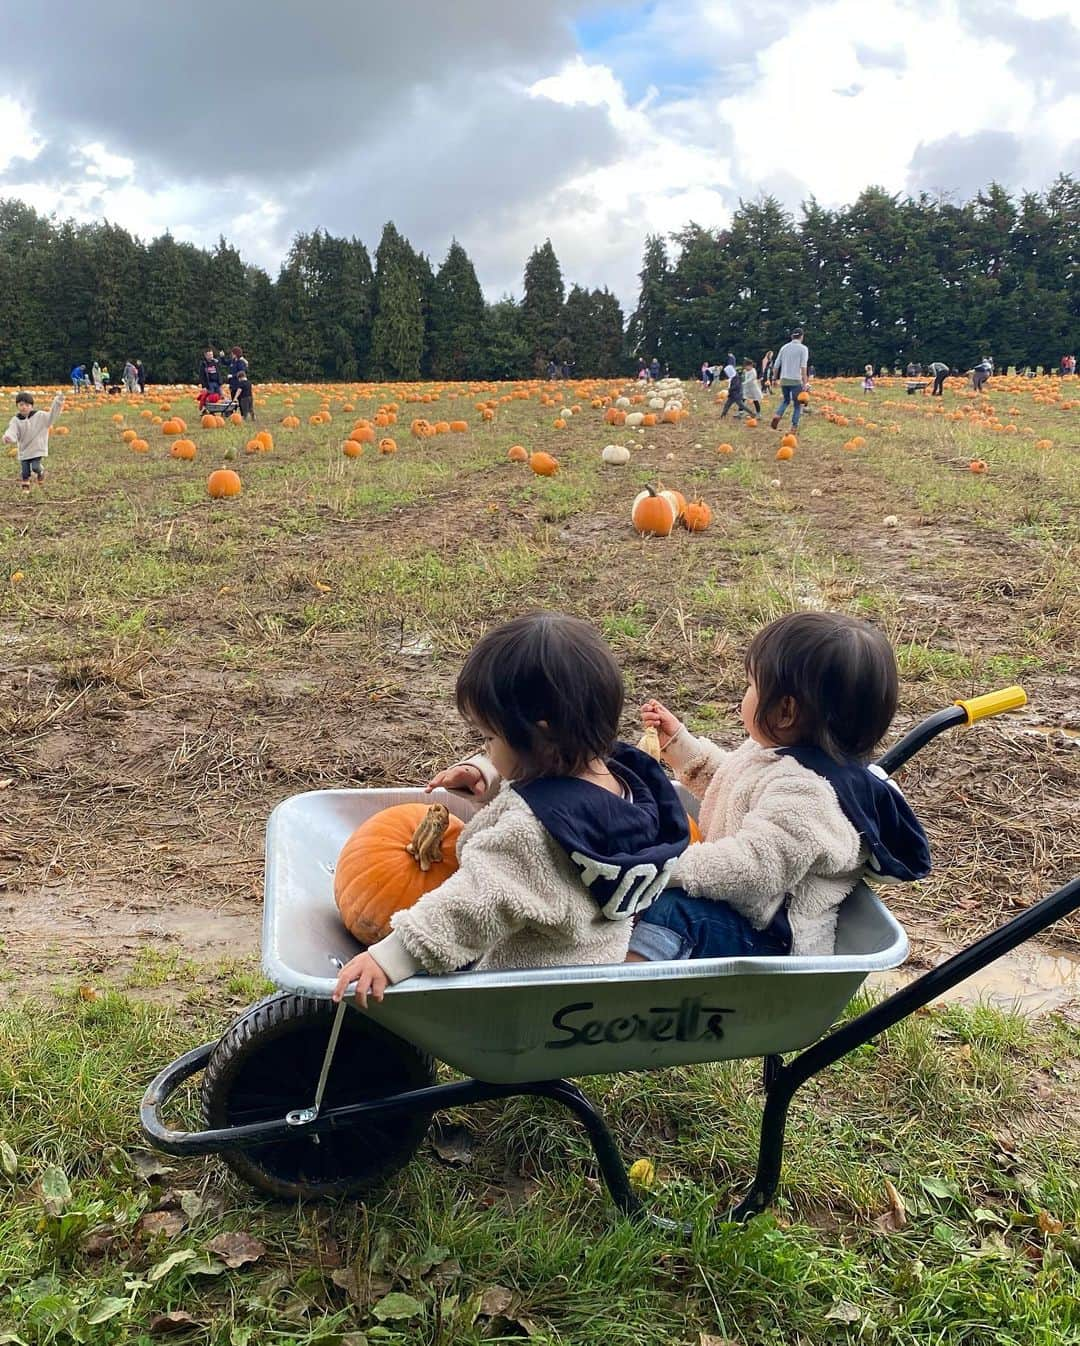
[
  {"x": 550, "y": 667},
  {"x": 839, "y": 671},
  {"x": 27, "y": 398}
]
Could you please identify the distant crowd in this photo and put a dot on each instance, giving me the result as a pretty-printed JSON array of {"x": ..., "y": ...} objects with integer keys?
[{"x": 215, "y": 372}]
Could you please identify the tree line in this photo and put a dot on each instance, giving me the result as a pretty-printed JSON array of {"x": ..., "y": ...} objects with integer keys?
[{"x": 884, "y": 280}]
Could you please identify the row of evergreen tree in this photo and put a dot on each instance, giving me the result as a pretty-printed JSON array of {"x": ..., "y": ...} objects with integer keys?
[
  {"x": 884, "y": 280},
  {"x": 79, "y": 292}
]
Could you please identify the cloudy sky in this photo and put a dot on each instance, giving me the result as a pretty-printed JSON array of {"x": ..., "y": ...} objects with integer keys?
[{"x": 502, "y": 122}]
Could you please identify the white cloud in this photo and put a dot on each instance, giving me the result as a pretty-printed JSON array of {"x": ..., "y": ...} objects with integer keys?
[{"x": 487, "y": 121}]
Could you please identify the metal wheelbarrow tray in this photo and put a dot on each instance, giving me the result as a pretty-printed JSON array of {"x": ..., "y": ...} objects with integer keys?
[{"x": 372, "y": 1074}]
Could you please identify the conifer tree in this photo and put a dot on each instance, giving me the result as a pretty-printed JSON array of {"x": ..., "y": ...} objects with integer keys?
[
  {"x": 397, "y": 337},
  {"x": 541, "y": 306},
  {"x": 457, "y": 319}
]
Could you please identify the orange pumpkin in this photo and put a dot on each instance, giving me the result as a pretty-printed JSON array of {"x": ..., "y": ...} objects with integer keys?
[
  {"x": 803, "y": 397},
  {"x": 209, "y": 421},
  {"x": 377, "y": 875},
  {"x": 351, "y": 449},
  {"x": 128, "y": 436},
  {"x": 751, "y": 421},
  {"x": 184, "y": 449},
  {"x": 789, "y": 441},
  {"x": 387, "y": 445},
  {"x": 517, "y": 453},
  {"x": 724, "y": 448},
  {"x": 653, "y": 512},
  {"x": 784, "y": 452},
  {"x": 173, "y": 426},
  {"x": 697, "y": 516},
  {"x": 139, "y": 445},
  {"x": 977, "y": 465},
  {"x": 290, "y": 422},
  {"x": 222, "y": 483},
  {"x": 543, "y": 464}
]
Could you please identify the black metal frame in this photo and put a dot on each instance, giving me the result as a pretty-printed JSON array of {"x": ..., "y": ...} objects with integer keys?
[{"x": 781, "y": 1079}]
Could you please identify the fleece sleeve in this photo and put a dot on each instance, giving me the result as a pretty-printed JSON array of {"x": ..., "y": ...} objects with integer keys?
[
  {"x": 493, "y": 894},
  {"x": 694, "y": 760},
  {"x": 795, "y": 827},
  {"x": 56, "y": 408},
  {"x": 11, "y": 434}
]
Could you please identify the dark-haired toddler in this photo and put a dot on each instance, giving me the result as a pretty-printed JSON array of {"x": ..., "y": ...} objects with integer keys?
[
  {"x": 794, "y": 817},
  {"x": 581, "y": 832}
]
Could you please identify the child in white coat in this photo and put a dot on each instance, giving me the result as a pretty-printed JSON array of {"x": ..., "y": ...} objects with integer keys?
[
  {"x": 792, "y": 818},
  {"x": 580, "y": 836}
]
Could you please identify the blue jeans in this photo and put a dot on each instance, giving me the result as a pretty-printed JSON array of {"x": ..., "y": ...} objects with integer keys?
[
  {"x": 678, "y": 926},
  {"x": 790, "y": 393}
]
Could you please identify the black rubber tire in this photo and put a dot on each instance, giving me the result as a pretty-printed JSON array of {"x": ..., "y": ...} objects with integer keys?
[{"x": 268, "y": 1063}]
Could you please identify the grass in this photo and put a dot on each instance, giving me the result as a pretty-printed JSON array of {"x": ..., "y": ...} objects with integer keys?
[
  {"x": 178, "y": 666},
  {"x": 942, "y": 1107}
]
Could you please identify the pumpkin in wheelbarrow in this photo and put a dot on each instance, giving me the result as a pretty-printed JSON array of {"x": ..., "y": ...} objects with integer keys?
[{"x": 390, "y": 862}]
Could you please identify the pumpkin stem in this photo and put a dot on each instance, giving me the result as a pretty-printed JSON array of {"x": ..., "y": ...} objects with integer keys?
[{"x": 426, "y": 845}]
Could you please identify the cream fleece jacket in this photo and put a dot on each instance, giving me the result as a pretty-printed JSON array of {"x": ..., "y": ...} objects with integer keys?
[
  {"x": 770, "y": 829},
  {"x": 517, "y": 900},
  {"x": 31, "y": 433}
]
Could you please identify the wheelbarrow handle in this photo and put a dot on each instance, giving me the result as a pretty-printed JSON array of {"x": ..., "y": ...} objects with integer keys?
[{"x": 962, "y": 712}]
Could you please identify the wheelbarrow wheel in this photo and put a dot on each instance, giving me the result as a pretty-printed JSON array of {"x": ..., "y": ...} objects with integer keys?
[{"x": 268, "y": 1063}]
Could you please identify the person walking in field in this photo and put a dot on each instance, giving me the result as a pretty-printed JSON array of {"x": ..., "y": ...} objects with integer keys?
[
  {"x": 792, "y": 362},
  {"x": 767, "y": 371},
  {"x": 95, "y": 374},
  {"x": 29, "y": 430},
  {"x": 751, "y": 389},
  {"x": 140, "y": 373},
  {"x": 980, "y": 375},
  {"x": 238, "y": 370},
  {"x": 130, "y": 377},
  {"x": 868, "y": 379},
  {"x": 940, "y": 371}
]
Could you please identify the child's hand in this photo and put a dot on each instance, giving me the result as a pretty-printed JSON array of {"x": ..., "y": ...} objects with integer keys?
[
  {"x": 368, "y": 975},
  {"x": 661, "y": 719},
  {"x": 464, "y": 776}
]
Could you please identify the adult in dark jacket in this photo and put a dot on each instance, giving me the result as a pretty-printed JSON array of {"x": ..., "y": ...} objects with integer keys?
[
  {"x": 210, "y": 371},
  {"x": 238, "y": 370},
  {"x": 140, "y": 374}
]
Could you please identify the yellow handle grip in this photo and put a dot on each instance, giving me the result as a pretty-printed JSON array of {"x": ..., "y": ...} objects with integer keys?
[{"x": 993, "y": 703}]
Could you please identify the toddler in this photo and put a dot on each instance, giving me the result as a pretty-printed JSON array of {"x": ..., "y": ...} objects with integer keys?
[
  {"x": 581, "y": 831},
  {"x": 29, "y": 429},
  {"x": 792, "y": 818},
  {"x": 868, "y": 379}
]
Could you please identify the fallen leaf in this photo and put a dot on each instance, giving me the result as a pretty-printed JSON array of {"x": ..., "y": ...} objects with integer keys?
[
  {"x": 9, "y": 1160},
  {"x": 396, "y": 1307},
  {"x": 453, "y": 1144},
  {"x": 1048, "y": 1224},
  {"x": 7, "y": 782},
  {"x": 843, "y": 1311},
  {"x": 205, "y": 1265},
  {"x": 87, "y": 992},
  {"x": 105, "y": 1309},
  {"x": 171, "y": 1324},
  {"x": 495, "y": 1300},
  {"x": 236, "y": 1249},
  {"x": 148, "y": 1165},
  {"x": 161, "y": 1223},
  {"x": 176, "y": 1259},
  {"x": 894, "y": 1216},
  {"x": 642, "y": 1174},
  {"x": 98, "y": 1241},
  {"x": 53, "y": 1191}
]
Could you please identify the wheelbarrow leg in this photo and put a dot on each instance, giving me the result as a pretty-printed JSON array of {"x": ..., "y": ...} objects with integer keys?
[
  {"x": 888, "y": 1012},
  {"x": 612, "y": 1168}
]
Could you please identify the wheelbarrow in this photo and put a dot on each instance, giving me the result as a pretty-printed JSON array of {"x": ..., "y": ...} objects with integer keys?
[{"x": 305, "y": 1099}]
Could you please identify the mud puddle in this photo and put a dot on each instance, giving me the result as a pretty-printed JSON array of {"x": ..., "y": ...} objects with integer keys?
[{"x": 1030, "y": 980}]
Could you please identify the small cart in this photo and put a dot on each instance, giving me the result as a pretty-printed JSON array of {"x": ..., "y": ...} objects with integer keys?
[{"x": 307, "y": 1100}]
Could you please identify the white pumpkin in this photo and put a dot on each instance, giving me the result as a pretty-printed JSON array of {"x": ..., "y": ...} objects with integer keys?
[
  {"x": 566, "y": 413},
  {"x": 656, "y": 404},
  {"x": 634, "y": 419},
  {"x": 615, "y": 453},
  {"x": 622, "y": 402}
]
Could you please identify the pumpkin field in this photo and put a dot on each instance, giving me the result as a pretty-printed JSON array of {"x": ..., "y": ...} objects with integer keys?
[{"x": 179, "y": 659}]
